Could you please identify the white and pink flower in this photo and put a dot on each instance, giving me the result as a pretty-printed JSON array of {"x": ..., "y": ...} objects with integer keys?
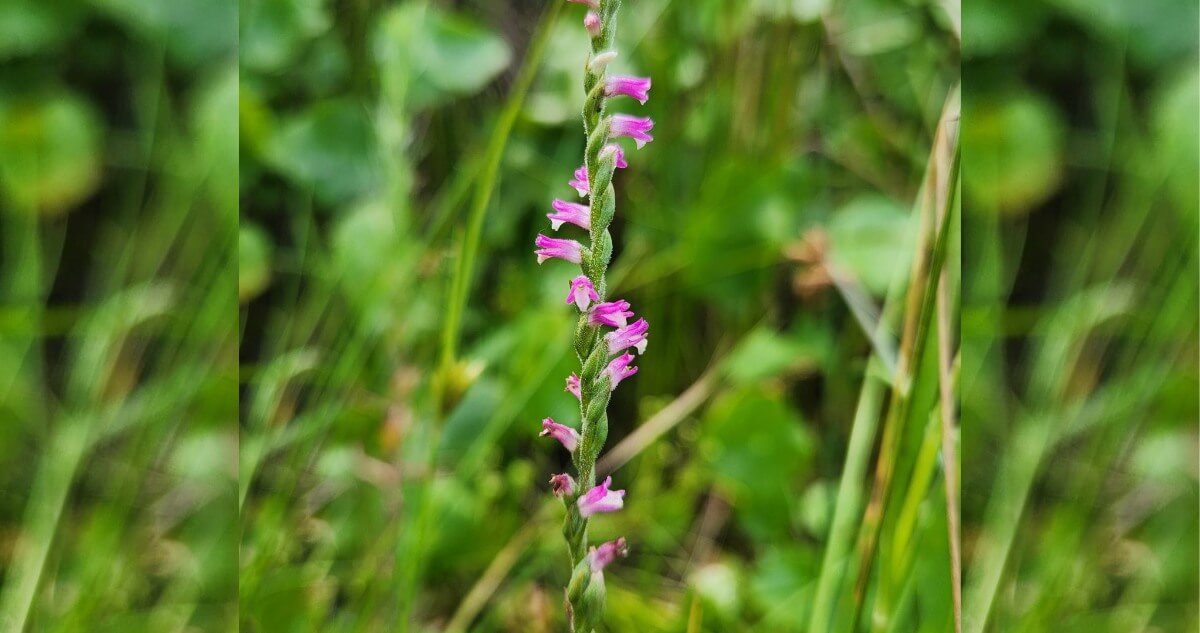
[
  {"x": 601, "y": 499},
  {"x": 566, "y": 435}
]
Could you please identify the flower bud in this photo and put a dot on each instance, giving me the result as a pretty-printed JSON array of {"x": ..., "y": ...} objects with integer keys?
[
  {"x": 591, "y": 22},
  {"x": 599, "y": 62}
]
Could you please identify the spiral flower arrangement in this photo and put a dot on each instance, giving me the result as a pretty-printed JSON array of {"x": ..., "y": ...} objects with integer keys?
[{"x": 606, "y": 331}]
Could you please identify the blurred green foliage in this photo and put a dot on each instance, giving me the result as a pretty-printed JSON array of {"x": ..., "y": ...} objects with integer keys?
[
  {"x": 365, "y": 131},
  {"x": 769, "y": 236},
  {"x": 118, "y": 363},
  {"x": 1079, "y": 316}
]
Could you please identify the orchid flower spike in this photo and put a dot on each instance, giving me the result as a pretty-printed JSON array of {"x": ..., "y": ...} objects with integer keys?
[
  {"x": 618, "y": 369},
  {"x": 635, "y": 87},
  {"x": 612, "y": 314},
  {"x": 578, "y": 214},
  {"x": 582, "y": 293},
  {"x": 562, "y": 485},
  {"x": 632, "y": 335},
  {"x": 601, "y": 499},
  {"x": 549, "y": 247},
  {"x": 600, "y": 557},
  {"x": 574, "y": 387},
  {"x": 636, "y": 128},
  {"x": 564, "y": 434}
]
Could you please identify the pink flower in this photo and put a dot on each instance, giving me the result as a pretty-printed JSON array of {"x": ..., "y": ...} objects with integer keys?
[
  {"x": 549, "y": 247},
  {"x": 619, "y": 369},
  {"x": 578, "y": 214},
  {"x": 591, "y": 22},
  {"x": 600, "y": 557},
  {"x": 573, "y": 387},
  {"x": 612, "y": 314},
  {"x": 601, "y": 499},
  {"x": 613, "y": 148},
  {"x": 562, "y": 485},
  {"x": 632, "y": 335},
  {"x": 560, "y": 432},
  {"x": 636, "y": 128},
  {"x": 582, "y": 293},
  {"x": 580, "y": 181},
  {"x": 591, "y": 3},
  {"x": 635, "y": 87}
]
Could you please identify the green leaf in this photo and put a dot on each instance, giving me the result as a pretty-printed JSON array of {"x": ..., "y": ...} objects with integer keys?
[
  {"x": 432, "y": 55},
  {"x": 272, "y": 32},
  {"x": 254, "y": 261},
  {"x": 50, "y": 156},
  {"x": 330, "y": 148},
  {"x": 869, "y": 239},
  {"x": 765, "y": 354},
  {"x": 1016, "y": 148},
  {"x": 193, "y": 31},
  {"x": 1176, "y": 129},
  {"x": 31, "y": 26},
  {"x": 759, "y": 450}
]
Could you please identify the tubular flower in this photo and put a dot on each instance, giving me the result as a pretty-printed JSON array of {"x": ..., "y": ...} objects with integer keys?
[
  {"x": 549, "y": 247},
  {"x": 636, "y": 128},
  {"x": 632, "y": 335},
  {"x": 563, "y": 485},
  {"x": 564, "y": 434},
  {"x": 591, "y": 22},
  {"x": 578, "y": 214},
  {"x": 601, "y": 499},
  {"x": 618, "y": 369},
  {"x": 635, "y": 87},
  {"x": 612, "y": 314},
  {"x": 582, "y": 293},
  {"x": 580, "y": 181},
  {"x": 573, "y": 386},
  {"x": 600, "y": 557}
]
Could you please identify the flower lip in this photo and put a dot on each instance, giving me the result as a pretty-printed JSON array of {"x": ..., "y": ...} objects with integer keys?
[
  {"x": 600, "y": 557},
  {"x": 636, "y": 128},
  {"x": 569, "y": 212},
  {"x": 574, "y": 387},
  {"x": 562, "y": 485},
  {"x": 549, "y": 247},
  {"x": 632, "y": 335},
  {"x": 612, "y": 314},
  {"x": 566, "y": 435},
  {"x": 601, "y": 499},
  {"x": 635, "y": 87},
  {"x": 618, "y": 369}
]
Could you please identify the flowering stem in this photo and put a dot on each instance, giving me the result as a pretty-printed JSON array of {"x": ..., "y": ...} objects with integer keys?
[{"x": 604, "y": 358}]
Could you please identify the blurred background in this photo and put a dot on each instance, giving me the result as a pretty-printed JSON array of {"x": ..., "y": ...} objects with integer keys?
[
  {"x": 333, "y": 427},
  {"x": 1079, "y": 316},
  {"x": 118, "y": 334}
]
